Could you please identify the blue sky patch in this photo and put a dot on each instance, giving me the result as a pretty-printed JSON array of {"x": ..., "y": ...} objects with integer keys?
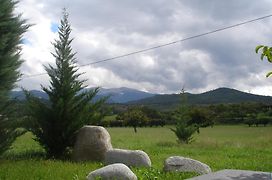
[
  {"x": 54, "y": 27},
  {"x": 26, "y": 41}
]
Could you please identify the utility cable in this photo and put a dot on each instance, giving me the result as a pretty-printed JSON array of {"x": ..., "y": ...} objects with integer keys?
[{"x": 163, "y": 45}]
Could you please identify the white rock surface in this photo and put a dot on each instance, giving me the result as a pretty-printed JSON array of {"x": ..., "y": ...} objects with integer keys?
[
  {"x": 116, "y": 171},
  {"x": 182, "y": 164},
  {"x": 91, "y": 144},
  {"x": 135, "y": 158}
]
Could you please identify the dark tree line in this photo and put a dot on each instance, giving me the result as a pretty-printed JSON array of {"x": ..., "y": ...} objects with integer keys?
[
  {"x": 136, "y": 117},
  {"x": 203, "y": 116}
]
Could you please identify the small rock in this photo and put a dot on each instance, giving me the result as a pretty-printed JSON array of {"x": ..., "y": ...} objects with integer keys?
[
  {"x": 114, "y": 171},
  {"x": 136, "y": 158},
  {"x": 91, "y": 144},
  {"x": 181, "y": 164}
]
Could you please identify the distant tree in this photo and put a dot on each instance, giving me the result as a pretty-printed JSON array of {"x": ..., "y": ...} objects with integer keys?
[
  {"x": 200, "y": 117},
  {"x": 263, "y": 119},
  {"x": 135, "y": 117},
  {"x": 152, "y": 114},
  {"x": 249, "y": 119},
  {"x": 12, "y": 27},
  {"x": 56, "y": 124},
  {"x": 183, "y": 129}
]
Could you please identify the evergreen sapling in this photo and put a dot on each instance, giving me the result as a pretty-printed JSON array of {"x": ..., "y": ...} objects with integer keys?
[{"x": 55, "y": 123}]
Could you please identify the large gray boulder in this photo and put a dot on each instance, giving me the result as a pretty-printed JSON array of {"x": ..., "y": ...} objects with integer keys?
[
  {"x": 135, "y": 158},
  {"x": 114, "y": 171},
  {"x": 231, "y": 174},
  {"x": 91, "y": 144},
  {"x": 182, "y": 164}
]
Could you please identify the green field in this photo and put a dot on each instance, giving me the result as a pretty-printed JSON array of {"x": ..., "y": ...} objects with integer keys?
[{"x": 221, "y": 147}]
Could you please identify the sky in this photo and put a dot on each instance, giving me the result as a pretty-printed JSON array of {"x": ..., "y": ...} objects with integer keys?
[{"x": 107, "y": 28}]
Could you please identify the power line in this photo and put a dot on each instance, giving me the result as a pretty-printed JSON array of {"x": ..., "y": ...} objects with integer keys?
[{"x": 163, "y": 45}]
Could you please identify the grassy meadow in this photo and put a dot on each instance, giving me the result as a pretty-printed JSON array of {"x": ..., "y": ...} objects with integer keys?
[{"x": 221, "y": 147}]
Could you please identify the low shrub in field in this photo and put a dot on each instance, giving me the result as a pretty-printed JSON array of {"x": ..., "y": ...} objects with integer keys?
[
  {"x": 184, "y": 132},
  {"x": 184, "y": 128}
]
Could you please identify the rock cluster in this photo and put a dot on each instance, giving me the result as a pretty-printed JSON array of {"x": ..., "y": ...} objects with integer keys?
[{"x": 93, "y": 143}]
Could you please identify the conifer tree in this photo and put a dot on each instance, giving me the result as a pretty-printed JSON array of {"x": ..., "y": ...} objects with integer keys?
[
  {"x": 12, "y": 28},
  {"x": 184, "y": 130},
  {"x": 55, "y": 124}
]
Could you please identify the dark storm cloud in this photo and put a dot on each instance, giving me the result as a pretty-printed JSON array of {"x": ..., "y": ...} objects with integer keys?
[{"x": 229, "y": 10}]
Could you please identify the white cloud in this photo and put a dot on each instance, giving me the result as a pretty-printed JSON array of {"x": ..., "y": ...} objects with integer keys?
[{"x": 104, "y": 29}]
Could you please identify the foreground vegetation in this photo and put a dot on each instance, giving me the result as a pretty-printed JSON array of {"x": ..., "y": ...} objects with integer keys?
[{"x": 221, "y": 147}]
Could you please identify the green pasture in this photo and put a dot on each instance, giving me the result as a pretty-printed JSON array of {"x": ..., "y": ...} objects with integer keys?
[{"x": 221, "y": 147}]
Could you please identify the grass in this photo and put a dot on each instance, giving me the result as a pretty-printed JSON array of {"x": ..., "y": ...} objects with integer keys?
[
  {"x": 221, "y": 147},
  {"x": 110, "y": 118}
]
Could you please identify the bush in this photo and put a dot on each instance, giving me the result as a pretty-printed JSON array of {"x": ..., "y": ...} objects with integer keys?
[
  {"x": 184, "y": 127},
  {"x": 184, "y": 132}
]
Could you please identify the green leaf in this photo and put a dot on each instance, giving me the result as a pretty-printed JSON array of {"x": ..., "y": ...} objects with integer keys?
[
  {"x": 265, "y": 50},
  {"x": 262, "y": 56},
  {"x": 258, "y": 48},
  {"x": 268, "y": 74},
  {"x": 269, "y": 57}
]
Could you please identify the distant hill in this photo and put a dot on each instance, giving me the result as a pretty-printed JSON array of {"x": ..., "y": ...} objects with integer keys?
[
  {"x": 167, "y": 101},
  {"x": 117, "y": 95},
  {"x": 217, "y": 96}
]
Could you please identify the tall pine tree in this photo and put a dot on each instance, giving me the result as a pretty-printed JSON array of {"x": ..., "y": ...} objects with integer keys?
[
  {"x": 12, "y": 28},
  {"x": 55, "y": 124}
]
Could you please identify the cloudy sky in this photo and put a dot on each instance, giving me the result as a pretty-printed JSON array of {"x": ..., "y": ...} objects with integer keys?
[{"x": 107, "y": 28}]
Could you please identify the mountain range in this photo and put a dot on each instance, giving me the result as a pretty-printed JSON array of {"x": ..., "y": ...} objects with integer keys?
[
  {"x": 135, "y": 97},
  {"x": 116, "y": 95}
]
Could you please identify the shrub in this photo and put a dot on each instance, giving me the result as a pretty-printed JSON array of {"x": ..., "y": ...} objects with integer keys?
[
  {"x": 184, "y": 132},
  {"x": 184, "y": 127}
]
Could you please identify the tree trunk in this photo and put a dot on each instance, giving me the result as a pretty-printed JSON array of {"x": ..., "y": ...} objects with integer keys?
[{"x": 135, "y": 130}]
